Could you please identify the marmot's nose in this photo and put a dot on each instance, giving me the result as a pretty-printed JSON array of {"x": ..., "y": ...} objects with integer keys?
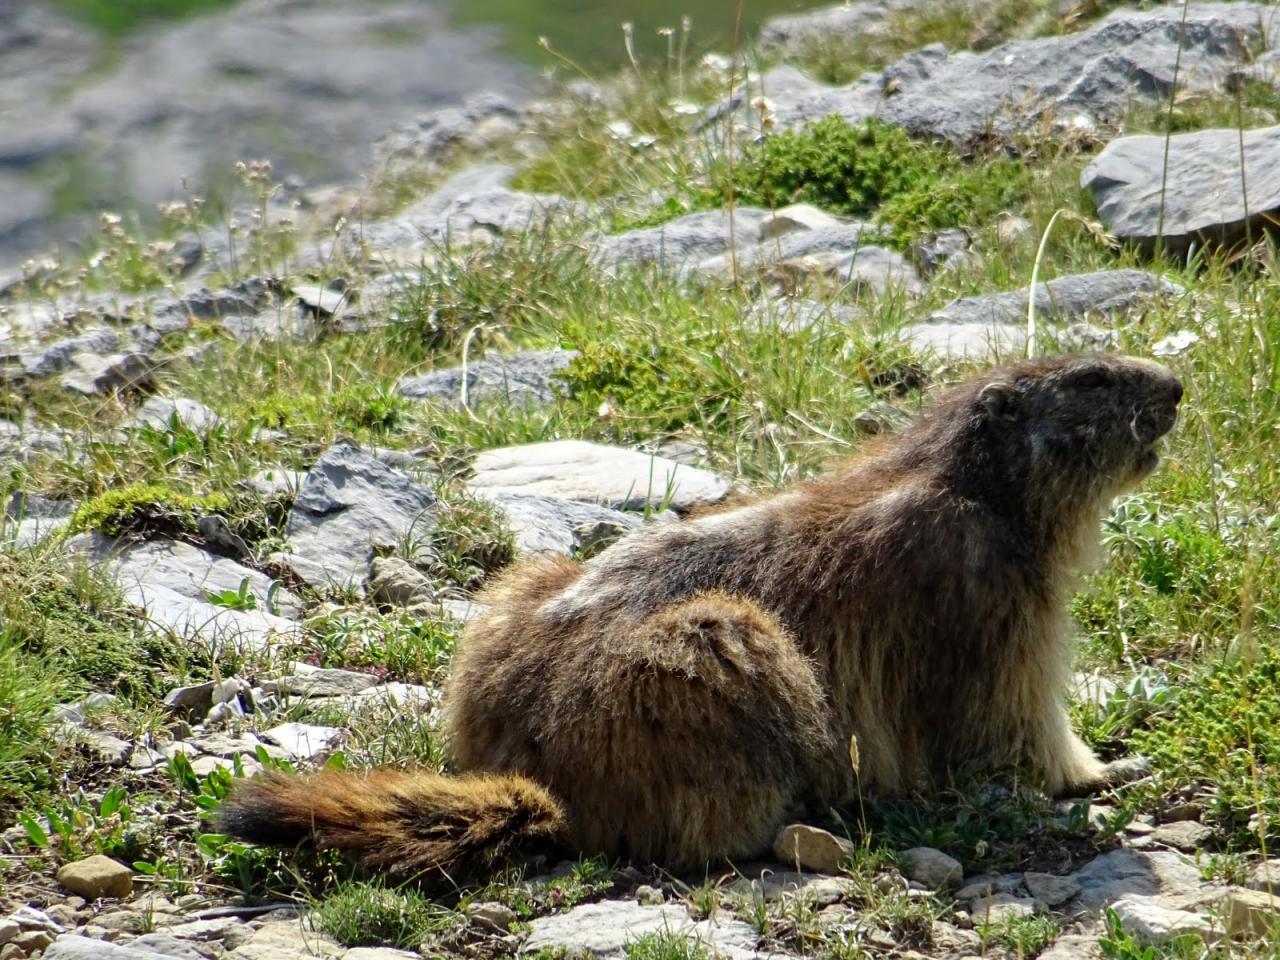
[{"x": 1176, "y": 391}]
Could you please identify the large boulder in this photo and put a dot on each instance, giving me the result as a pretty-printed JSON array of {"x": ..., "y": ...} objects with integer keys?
[
  {"x": 1201, "y": 195},
  {"x": 349, "y": 506},
  {"x": 1085, "y": 79}
]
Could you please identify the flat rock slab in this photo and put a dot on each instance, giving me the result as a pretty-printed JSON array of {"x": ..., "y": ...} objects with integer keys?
[
  {"x": 1095, "y": 76},
  {"x": 172, "y": 580},
  {"x": 519, "y": 379},
  {"x": 685, "y": 241},
  {"x": 605, "y": 929},
  {"x": 1061, "y": 300},
  {"x": 594, "y": 473},
  {"x": 552, "y": 525},
  {"x": 845, "y": 238},
  {"x": 72, "y": 946},
  {"x": 303, "y": 740},
  {"x": 160, "y": 413},
  {"x": 474, "y": 203},
  {"x": 995, "y": 324},
  {"x": 1171, "y": 877},
  {"x": 349, "y": 505},
  {"x": 1203, "y": 196}
]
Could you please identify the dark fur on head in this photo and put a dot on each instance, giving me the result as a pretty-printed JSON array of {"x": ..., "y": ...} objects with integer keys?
[{"x": 692, "y": 687}]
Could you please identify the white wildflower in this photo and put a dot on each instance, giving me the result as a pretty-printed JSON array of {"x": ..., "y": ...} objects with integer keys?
[
  {"x": 621, "y": 130},
  {"x": 1175, "y": 344}
]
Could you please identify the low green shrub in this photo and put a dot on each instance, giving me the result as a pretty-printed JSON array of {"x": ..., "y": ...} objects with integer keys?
[{"x": 875, "y": 169}]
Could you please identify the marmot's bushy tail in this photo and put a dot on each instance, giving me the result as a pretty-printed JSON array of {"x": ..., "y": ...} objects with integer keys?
[{"x": 414, "y": 824}]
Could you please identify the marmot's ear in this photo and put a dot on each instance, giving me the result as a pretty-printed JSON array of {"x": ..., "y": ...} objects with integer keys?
[{"x": 999, "y": 399}]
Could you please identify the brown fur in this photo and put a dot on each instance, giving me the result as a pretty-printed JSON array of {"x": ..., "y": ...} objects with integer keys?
[{"x": 692, "y": 687}]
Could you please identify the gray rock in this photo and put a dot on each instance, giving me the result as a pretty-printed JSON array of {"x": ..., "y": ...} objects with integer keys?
[
  {"x": 1050, "y": 889},
  {"x": 1265, "y": 875},
  {"x": 193, "y": 702},
  {"x": 279, "y": 322},
  {"x": 159, "y": 413},
  {"x": 1077, "y": 80},
  {"x": 845, "y": 238},
  {"x": 966, "y": 340},
  {"x": 73, "y": 946},
  {"x": 868, "y": 269},
  {"x": 802, "y": 314},
  {"x": 29, "y": 531},
  {"x": 844, "y": 23},
  {"x": 1204, "y": 196},
  {"x": 604, "y": 929},
  {"x": 1000, "y": 907},
  {"x": 519, "y": 379},
  {"x": 1073, "y": 946},
  {"x": 796, "y": 218},
  {"x": 278, "y": 481},
  {"x": 812, "y": 848},
  {"x": 111, "y": 750},
  {"x": 553, "y": 525},
  {"x": 941, "y": 249},
  {"x": 303, "y": 741},
  {"x": 425, "y": 141},
  {"x": 577, "y": 470},
  {"x": 243, "y": 298},
  {"x": 984, "y": 885},
  {"x": 935, "y": 869},
  {"x": 168, "y": 946},
  {"x": 399, "y": 583},
  {"x": 472, "y": 205},
  {"x": 1063, "y": 299},
  {"x": 172, "y": 581},
  {"x": 492, "y": 916},
  {"x": 1151, "y": 922},
  {"x": 994, "y": 324},
  {"x": 773, "y": 884},
  {"x": 95, "y": 375},
  {"x": 58, "y": 356},
  {"x": 1185, "y": 835},
  {"x": 322, "y": 301},
  {"x": 349, "y": 505},
  {"x": 1127, "y": 873},
  {"x": 685, "y": 241},
  {"x": 309, "y": 681},
  {"x": 286, "y": 940},
  {"x": 1251, "y": 914}
]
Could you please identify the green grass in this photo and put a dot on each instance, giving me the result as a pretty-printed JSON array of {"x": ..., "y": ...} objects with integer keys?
[
  {"x": 369, "y": 914},
  {"x": 121, "y": 16}
]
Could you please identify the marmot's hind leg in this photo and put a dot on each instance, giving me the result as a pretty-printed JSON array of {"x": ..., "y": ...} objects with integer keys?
[{"x": 705, "y": 727}]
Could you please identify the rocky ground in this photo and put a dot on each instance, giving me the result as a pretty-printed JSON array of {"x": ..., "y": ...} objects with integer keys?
[{"x": 256, "y": 469}]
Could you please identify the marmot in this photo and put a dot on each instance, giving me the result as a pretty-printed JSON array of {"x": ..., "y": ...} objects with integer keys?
[{"x": 677, "y": 698}]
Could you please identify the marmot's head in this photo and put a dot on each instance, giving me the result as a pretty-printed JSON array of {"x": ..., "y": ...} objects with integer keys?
[{"x": 1088, "y": 421}]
